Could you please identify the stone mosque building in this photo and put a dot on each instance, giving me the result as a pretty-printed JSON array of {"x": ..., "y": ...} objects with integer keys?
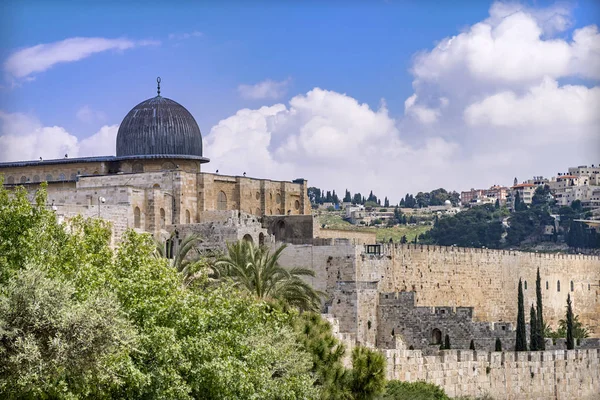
[{"x": 155, "y": 182}]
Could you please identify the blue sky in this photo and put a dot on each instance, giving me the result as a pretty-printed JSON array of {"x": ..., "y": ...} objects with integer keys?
[{"x": 203, "y": 53}]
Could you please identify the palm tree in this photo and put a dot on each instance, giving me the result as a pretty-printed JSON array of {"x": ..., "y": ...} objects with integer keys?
[
  {"x": 183, "y": 259},
  {"x": 256, "y": 270}
]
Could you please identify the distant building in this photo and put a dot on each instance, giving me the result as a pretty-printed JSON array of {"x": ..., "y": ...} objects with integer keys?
[{"x": 484, "y": 196}]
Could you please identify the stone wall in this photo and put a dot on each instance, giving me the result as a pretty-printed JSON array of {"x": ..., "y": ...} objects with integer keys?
[
  {"x": 557, "y": 374},
  {"x": 359, "y": 237},
  {"x": 487, "y": 280},
  {"x": 426, "y": 327}
]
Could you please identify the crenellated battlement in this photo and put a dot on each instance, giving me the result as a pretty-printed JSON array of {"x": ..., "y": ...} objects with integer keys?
[
  {"x": 387, "y": 249},
  {"x": 538, "y": 374}
]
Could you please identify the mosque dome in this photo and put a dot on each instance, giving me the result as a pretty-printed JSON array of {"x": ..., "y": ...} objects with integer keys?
[{"x": 159, "y": 127}]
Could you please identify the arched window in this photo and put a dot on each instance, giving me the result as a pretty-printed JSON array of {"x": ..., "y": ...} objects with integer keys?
[
  {"x": 279, "y": 231},
  {"x": 137, "y": 217},
  {"x": 222, "y": 201},
  {"x": 168, "y": 166},
  {"x": 61, "y": 177},
  {"x": 257, "y": 195},
  {"x": 436, "y": 336},
  {"x": 23, "y": 179},
  {"x": 558, "y": 286},
  {"x": 258, "y": 212},
  {"x": 297, "y": 205},
  {"x": 248, "y": 238},
  {"x": 525, "y": 285},
  {"x": 188, "y": 217},
  {"x": 162, "y": 218},
  {"x": 137, "y": 167},
  {"x": 278, "y": 198},
  {"x": 48, "y": 178},
  {"x": 572, "y": 287},
  {"x": 156, "y": 186},
  {"x": 36, "y": 178},
  {"x": 278, "y": 211},
  {"x": 10, "y": 180},
  {"x": 547, "y": 285}
]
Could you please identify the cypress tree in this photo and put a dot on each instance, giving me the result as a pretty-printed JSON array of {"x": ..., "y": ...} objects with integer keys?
[
  {"x": 498, "y": 344},
  {"x": 521, "y": 342},
  {"x": 570, "y": 341},
  {"x": 447, "y": 342},
  {"x": 533, "y": 336},
  {"x": 472, "y": 345},
  {"x": 541, "y": 342}
]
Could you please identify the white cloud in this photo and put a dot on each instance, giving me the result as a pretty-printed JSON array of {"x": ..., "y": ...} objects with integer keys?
[
  {"x": 184, "y": 36},
  {"x": 87, "y": 115},
  {"x": 511, "y": 47},
  {"x": 23, "y": 137},
  {"x": 267, "y": 89},
  {"x": 41, "y": 57},
  {"x": 544, "y": 105},
  {"x": 330, "y": 139}
]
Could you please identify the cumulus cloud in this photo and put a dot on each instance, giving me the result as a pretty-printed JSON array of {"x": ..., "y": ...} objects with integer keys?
[
  {"x": 329, "y": 138},
  {"x": 31, "y": 60},
  {"x": 511, "y": 47},
  {"x": 267, "y": 89},
  {"x": 23, "y": 137}
]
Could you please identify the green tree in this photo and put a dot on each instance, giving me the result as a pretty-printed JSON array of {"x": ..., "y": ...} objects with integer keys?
[
  {"x": 521, "y": 341},
  {"x": 55, "y": 346},
  {"x": 189, "y": 343},
  {"x": 368, "y": 373},
  {"x": 541, "y": 342},
  {"x": 533, "y": 329},
  {"x": 316, "y": 337},
  {"x": 569, "y": 323},
  {"x": 257, "y": 271}
]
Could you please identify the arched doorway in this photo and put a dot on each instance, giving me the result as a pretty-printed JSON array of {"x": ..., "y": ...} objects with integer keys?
[
  {"x": 248, "y": 238},
  {"x": 162, "y": 218},
  {"x": 261, "y": 239},
  {"x": 188, "y": 217},
  {"x": 436, "y": 336},
  {"x": 222, "y": 201},
  {"x": 279, "y": 231}
]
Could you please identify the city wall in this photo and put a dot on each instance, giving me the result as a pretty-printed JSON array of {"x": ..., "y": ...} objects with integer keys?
[
  {"x": 361, "y": 237},
  {"x": 486, "y": 280},
  {"x": 557, "y": 374}
]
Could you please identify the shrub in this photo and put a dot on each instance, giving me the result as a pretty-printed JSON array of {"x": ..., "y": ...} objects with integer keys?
[{"x": 397, "y": 390}]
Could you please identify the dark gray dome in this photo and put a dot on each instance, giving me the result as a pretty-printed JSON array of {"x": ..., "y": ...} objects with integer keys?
[{"x": 159, "y": 126}]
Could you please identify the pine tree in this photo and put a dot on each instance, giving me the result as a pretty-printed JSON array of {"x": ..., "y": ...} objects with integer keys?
[
  {"x": 498, "y": 346},
  {"x": 386, "y": 202},
  {"x": 497, "y": 204},
  {"x": 570, "y": 340},
  {"x": 533, "y": 336},
  {"x": 403, "y": 239},
  {"x": 447, "y": 342},
  {"x": 401, "y": 203},
  {"x": 472, "y": 345},
  {"x": 521, "y": 342},
  {"x": 541, "y": 340}
]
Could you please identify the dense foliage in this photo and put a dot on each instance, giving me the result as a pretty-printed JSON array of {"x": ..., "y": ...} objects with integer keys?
[
  {"x": 476, "y": 227},
  {"x": 79, "y": 319},
  {"x": 398, "y": 390}
]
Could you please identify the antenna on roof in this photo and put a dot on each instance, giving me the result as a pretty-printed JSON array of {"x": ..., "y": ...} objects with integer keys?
[{"x": 158, "y": 87}]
